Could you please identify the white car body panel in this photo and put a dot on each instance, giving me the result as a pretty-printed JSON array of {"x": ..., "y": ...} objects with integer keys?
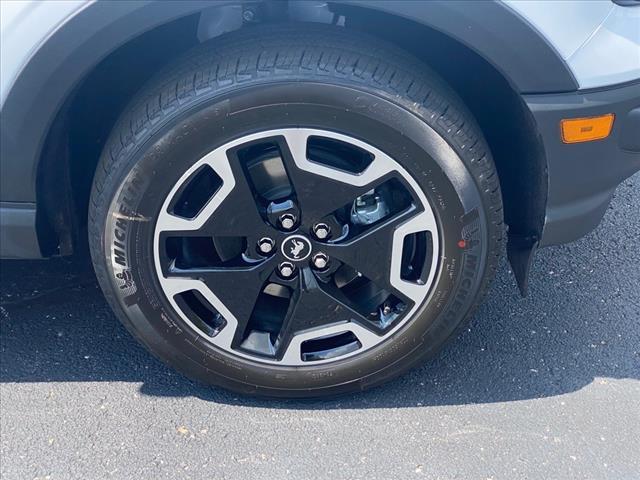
[
  {"x": 24, "y": 27},
  {"x": 599, "y": 40}
]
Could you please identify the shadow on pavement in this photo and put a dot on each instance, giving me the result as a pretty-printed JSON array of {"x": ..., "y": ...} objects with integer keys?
[{"x": 580, "y": 322}]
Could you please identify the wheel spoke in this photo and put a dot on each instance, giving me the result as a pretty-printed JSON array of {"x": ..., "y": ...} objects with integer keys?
[
  {"x": 321, "y": 190},
  {"x": 314, "y": 306},
  {"x": 370, "y": 252},
  {"x": 232, "y": 211},
  {"x": 238, "y": 214},
  {"x": 232, "y": 291}
]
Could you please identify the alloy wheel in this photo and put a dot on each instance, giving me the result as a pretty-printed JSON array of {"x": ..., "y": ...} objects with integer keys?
[{"x": 296, "y": 247}]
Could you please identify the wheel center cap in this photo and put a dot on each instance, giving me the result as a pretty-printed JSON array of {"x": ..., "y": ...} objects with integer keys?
[{"x": 296, "y": 248}]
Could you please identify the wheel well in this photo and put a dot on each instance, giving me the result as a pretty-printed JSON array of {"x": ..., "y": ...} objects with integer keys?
[{"x": 82, "y": 125}]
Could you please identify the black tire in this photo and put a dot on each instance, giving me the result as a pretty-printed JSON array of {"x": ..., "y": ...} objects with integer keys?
[{"x": 269, "y": 77}]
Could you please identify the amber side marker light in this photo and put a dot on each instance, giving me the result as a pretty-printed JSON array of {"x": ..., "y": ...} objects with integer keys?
[{"x": 576, "y": 130}]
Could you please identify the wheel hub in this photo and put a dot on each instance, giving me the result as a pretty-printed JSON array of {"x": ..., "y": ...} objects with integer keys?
[{"x": 296, "y": 248}]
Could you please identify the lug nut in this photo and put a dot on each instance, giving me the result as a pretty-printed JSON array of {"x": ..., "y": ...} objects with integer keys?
[
  {"x": 249, "y": 15},
  {"x": 320, "y": 261},
  {"x": 287, "y": 221},
  {"x": 286, "y": 269},
  {"x": 265, "y": 245},
  {"x": 321, "y": 231}
]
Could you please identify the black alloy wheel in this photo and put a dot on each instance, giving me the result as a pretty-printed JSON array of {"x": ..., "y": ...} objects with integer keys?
[
  {"x": 283, "y": 213},
  {"x": 270, "y": 269}
]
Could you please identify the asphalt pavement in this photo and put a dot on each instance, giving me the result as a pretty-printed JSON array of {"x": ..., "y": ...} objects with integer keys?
[{"x": 546, "y": 387}]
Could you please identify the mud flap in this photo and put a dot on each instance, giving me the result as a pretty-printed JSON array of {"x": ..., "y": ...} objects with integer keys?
[{"x": 521, "y": 250}]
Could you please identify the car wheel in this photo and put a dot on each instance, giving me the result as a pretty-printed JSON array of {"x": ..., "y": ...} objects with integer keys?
[{"x": 295, "y": 212}]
